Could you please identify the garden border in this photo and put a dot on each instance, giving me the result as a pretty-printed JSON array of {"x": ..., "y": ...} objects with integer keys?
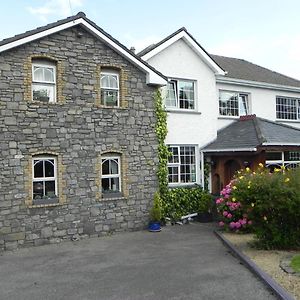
[{"x": 265, "y": 278}]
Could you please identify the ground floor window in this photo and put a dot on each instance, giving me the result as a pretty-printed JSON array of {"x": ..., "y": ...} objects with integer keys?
[
  {"x": 182, "y": 165},
  {"x": 44, "y": 179},
  {"x": 111, "y": 175},
  {"x": 288, "y": 159}
]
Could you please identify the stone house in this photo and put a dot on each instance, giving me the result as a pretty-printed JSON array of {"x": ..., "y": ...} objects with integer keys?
[
  {"x": 77, "y": 139},
  {"x": 227, "y": 112}
]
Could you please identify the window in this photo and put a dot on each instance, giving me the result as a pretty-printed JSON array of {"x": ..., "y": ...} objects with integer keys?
[
  {"x": 43, "y": 81},
  {"x": 44, "y": 180},
  {"x": 111, "y": 176},
  {"x": 287, "y": 108},
  {"x": 233, "y": 103},
  {"x": 288, "y": 159},
  {"x": 109, "y": 88},
  {"x": 182, "y": 164},
  {"x": 180, "y": 94}
]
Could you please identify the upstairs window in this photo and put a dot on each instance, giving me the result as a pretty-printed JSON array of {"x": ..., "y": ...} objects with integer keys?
[
  {"x": 182, "y": 165},
  {"x": 110, "y": 88},
  {"x": 44, "y": 180},
  {"x": 43, "y": 81},
  {"x": 180, "y": 94},
  {"x": 111, "y": 176},
  {"x": 233, "y": 103},
  {"x": 287, "y": 108}
]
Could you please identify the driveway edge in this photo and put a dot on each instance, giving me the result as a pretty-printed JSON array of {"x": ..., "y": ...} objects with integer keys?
[{"x": 265, "y": 278}]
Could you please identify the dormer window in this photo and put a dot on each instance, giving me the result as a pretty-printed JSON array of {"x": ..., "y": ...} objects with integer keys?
[
  {"x": 180, "y": 94},
  {"x": 43, "y": 81},
  {"x": 233, "y": 104},
  {"x": 110, "y": 88}
]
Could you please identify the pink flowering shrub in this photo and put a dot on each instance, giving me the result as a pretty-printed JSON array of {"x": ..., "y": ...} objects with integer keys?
[{"x": 231, "y": 214}]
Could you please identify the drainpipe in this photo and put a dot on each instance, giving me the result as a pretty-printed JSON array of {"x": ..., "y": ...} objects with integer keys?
[{"x": 202, "y": 168}]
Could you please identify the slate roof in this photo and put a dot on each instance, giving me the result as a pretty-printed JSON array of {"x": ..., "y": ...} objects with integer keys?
[
  {"x": 236, "y": 68},
  {"x": 70, "y": 19},
  {"x": 245, "y": 70},
  {"x": 250, "y": 132}
]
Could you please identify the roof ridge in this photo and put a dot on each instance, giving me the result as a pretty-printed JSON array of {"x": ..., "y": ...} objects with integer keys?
[{"x": 261, "y": 138}]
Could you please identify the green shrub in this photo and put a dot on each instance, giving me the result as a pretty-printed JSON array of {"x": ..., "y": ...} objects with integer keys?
[
  {"x": 183, "y": 201},
  {"x": 155, "y": 212},
  {"x": 272, "y": 202}
]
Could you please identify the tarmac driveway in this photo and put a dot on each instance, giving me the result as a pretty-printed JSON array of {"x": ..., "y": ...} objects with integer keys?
[{"x": 181, "y": 262}]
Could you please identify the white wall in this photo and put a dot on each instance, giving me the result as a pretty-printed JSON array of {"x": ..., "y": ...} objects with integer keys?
[
  {"x": 262, "y": 102},
  {"x": 189, "y": 127}
]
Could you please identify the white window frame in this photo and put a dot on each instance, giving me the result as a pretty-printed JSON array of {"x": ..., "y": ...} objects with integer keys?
[
  {"x": 52, "y": 84},
  {"x": 296, "y": 107},
  {"x": 179, "y": 164},
  {"x": 175, "y": 82},
  {"x": 107, "y": 73},
  {"x": 282, "y": 162},
  {"x": 44, "y": 179},
  {"x": 238, "y": 94},
  {"x": 115, "y": 158}
]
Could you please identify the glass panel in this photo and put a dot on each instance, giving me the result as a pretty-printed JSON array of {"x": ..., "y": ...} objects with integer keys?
[
  {"x": 273, "y": 155},
  {"x": 173, "y": 174},
  {"x": 104, "y": 81},
  {"x": 171, "y": 95},
  {"x": 49, "y": 168},
  {"x": 292, "y": 156},
  {"x": 114, "y": 167},
  {"x": 186, "y": 94},
  {"x": 38, "y": 190},
  {"x": 50, "y": 189},
  {"x": 49, "y": 74},
  {"x": 109, "y": 97},
  {"x": 243, "y": 103},
  {"x": 286, "y": 108},
  {"x": 43, "y": 92},
  {"x": 114, "y": 81},
  {"x": 38, "y": 73},
  {"x": 38, "y": 169},
  {"x": 105, "y": 167},
  {"x": 228, "y": 103},
  {"x": 175, "y": 157},
  {"x": 115, "y": 184},
  {"x": 105, "y": 185}
]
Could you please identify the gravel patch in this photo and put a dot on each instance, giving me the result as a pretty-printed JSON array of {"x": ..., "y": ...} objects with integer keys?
[{"x": 268, "y": 261}]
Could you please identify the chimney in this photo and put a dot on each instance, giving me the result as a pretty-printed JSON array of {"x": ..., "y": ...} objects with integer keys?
[{"x": 132, "y": 49}]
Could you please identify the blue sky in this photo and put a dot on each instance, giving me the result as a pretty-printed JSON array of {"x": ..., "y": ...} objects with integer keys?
[{"x": 266, "y": 32}]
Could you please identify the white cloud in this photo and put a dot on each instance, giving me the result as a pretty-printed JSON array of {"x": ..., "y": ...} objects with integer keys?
[{"x": 60, "y": 8}]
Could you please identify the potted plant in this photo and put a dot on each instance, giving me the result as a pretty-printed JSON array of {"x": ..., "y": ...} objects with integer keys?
[
  {"x": 205, "y": 208},
  {"x": 155, "y": 214}
]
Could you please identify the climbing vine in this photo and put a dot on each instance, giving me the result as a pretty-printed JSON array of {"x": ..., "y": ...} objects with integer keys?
[{"x": 163, "y": 152}]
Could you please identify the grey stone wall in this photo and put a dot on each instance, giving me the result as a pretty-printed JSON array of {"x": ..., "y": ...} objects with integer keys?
[{"x": 78, "y": 131}]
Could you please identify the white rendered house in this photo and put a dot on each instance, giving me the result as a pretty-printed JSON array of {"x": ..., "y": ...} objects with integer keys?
[{"x": 207, "y": 99}]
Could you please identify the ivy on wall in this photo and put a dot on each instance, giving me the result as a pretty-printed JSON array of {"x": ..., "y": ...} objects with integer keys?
[{"x": 163, "y": 152}]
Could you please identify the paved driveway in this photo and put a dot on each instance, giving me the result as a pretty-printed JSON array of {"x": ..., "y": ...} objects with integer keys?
[{"x": 181, "y": 262}]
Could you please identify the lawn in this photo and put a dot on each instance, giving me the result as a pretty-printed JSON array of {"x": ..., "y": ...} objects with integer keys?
[{"x": 295, "y": 263}]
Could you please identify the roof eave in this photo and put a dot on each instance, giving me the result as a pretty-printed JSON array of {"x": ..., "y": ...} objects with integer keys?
[
  {"x": 153, "y": 77},
  {"x": 254, "y": 149},
  {"x": 235, "y": 81}
]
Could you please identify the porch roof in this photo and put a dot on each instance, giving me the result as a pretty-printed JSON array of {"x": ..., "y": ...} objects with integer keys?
[{"x": 250, "y": 132}]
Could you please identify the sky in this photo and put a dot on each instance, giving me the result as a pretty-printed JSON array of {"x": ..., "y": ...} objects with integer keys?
[{"x": 265, "y": 32}]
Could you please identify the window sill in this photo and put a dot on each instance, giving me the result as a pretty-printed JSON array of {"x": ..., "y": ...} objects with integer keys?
[
  {"x": 111, "y": 107},
  {"x": 44, "y": 205},
  {"x": 286, "y": 121},
  {"x": 183, "y": 185},
  {"x": 113, "y": 198},
  {"x": 228, "y": 117},
  {"x": 183, "y": 111}
]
